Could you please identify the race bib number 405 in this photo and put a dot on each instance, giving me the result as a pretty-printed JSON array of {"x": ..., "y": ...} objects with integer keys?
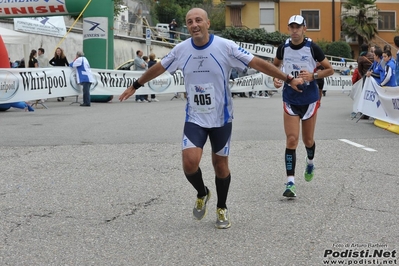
[{"x": 202, "y": 98}]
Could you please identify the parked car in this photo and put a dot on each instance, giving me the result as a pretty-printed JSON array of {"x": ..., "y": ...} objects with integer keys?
[
  {"x": 128, "y": 65},
  {"x": 162, "y": 30}
]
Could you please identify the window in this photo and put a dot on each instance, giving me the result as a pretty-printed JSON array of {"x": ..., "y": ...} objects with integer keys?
[
  {"x": 386, "y": 21},
  {"x": 267, "y": 16},
  {"x": 312, "y": 18},
  {"x": 235, "y": 16}
]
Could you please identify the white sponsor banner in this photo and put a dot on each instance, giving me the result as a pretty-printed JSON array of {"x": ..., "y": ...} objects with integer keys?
[
  {"x": 95, "y": 28},
  {"x": 26, "y": 84},
  {"x": 21, "y": 8},
  {"x": 266, "y": 50},
  {"x": 269, "y": 51},
  {"x": 378, "y": 102},
  {"x": 51, "y": 26},
  {"x": 338, "y": 82}
]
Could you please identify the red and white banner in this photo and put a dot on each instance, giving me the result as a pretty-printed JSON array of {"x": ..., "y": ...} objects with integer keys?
[
  {"x": 378, "y": 102},
  {"x": 32, "y": 8}
]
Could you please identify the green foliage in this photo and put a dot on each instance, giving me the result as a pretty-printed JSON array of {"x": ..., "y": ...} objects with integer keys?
[
  {"x": 254, "y": 36},
  {"x": 166, "y": 10},
  {"x": 360, "y": 20},
  {"x": 339, "y": 49},
  {"x": 117, "y": 7},
  {"x": 323, "y": 44},
  {"x": 276, "y": 38}
]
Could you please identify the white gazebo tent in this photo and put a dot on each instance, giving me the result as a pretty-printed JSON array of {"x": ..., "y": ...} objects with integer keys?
[{"x": 15, "y": 37}]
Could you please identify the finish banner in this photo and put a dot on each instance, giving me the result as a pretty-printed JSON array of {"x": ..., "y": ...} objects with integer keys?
[
  {"x": 26, "y": 8},
  {"x": 381, "y": 103}
]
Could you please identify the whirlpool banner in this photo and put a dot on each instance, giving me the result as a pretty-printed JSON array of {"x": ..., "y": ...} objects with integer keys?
[{"x": 26, "y": 84}]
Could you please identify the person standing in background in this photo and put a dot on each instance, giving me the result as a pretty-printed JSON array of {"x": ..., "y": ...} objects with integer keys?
[
  {"x": 364, "y": 60},
  {"x": 376, "y": 70},
  {"x": 172, "y": 30},
  {"x": 396, "y": 41},
  {"x": 84, "y": 76},
  {"x": 59, "y": 59},
  {"x": 42, "y": 59},
  {"x": 32, "y": 59},
  {"x": 388, "y": 78},
  {"x": 152, "y": 62},
  {"x": 140, "y": 65}
]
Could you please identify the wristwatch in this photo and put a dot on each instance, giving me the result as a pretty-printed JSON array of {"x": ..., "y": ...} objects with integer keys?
[
  {"x": 289, "y": 78},
  {"x": 315, "y": 75}
]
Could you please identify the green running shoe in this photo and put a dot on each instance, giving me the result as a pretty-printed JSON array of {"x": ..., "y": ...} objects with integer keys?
[
  {"x": 289, "y": 190},
  {"x": 309, "y": 171},
  {"x": 200, "y": 209},
  {"x": 222, "y": 218}
]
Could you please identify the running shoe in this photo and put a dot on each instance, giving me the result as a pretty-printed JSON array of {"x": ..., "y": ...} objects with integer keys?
[
  {"x": 200, "y": 209},
  {"x": 289, "y": 190},
  {"x": 309, "y": 171},
  {"x": 223, "y": 218}
]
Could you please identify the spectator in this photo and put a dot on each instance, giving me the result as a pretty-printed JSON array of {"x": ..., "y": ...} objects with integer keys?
[
  {"x": 172, "y": 30},
  {"x": 396, "y": 41},
  {"x": 42, "y": 59},
  {"x": 32, "y": 59},
  {"x": 364, "y": 60},
  {"x": 320, "y": 81},
  {"x": 140, "y": 65},
  {"x": 356, "y": 76},
  {"x": 376, "y": 70},
  {"x": 59, "y": 59},
  {"x": 21, "y": 63},
  {"x": 233, "y": 76},
  {"x": 388, "y": 78},
  {"x": 152, "y": 62},
  {"x": 84, "y": 76}
]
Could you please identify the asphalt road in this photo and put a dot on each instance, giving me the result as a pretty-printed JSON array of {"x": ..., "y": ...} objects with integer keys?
[{"x": 104, "y": 186}]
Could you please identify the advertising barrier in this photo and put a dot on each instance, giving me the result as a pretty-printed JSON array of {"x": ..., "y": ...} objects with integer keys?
[
  {"x": 381, "y": 103},
  {"x": 26, "y": 84}
]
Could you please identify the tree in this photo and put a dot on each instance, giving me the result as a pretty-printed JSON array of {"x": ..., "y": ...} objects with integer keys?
[
  {"x": 166, "y": 10},
  {"x": 360, "y": 20},
  {"x": 339, "y": 49},
  {"x": 258, "y": 35},
  {"x": 117, "y": 7}
]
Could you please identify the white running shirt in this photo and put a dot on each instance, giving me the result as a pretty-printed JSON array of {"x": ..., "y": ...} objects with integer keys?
[{"x": 206, "y": 72}]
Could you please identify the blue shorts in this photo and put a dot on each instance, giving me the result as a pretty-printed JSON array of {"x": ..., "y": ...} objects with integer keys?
[{"x": 196, "y": 136}]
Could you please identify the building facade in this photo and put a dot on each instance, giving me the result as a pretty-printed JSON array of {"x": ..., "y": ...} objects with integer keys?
[{"x": 323, "y": 18}]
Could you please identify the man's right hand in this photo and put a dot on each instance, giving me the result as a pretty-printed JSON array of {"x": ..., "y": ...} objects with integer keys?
[
  {"x": 294, "y": 83},
  {"x": 127, "y": 93}
]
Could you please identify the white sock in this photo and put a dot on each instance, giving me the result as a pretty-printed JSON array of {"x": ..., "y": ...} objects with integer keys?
[
  {"x": 291, "y": 179},
  {"x": 309, "y": 161}
]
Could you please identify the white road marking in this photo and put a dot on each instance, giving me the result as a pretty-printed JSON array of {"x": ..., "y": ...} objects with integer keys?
[{"x": 357, "y": 145}]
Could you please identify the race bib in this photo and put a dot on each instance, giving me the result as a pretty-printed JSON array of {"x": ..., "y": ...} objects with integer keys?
[{"x": 202, "y": 98}]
